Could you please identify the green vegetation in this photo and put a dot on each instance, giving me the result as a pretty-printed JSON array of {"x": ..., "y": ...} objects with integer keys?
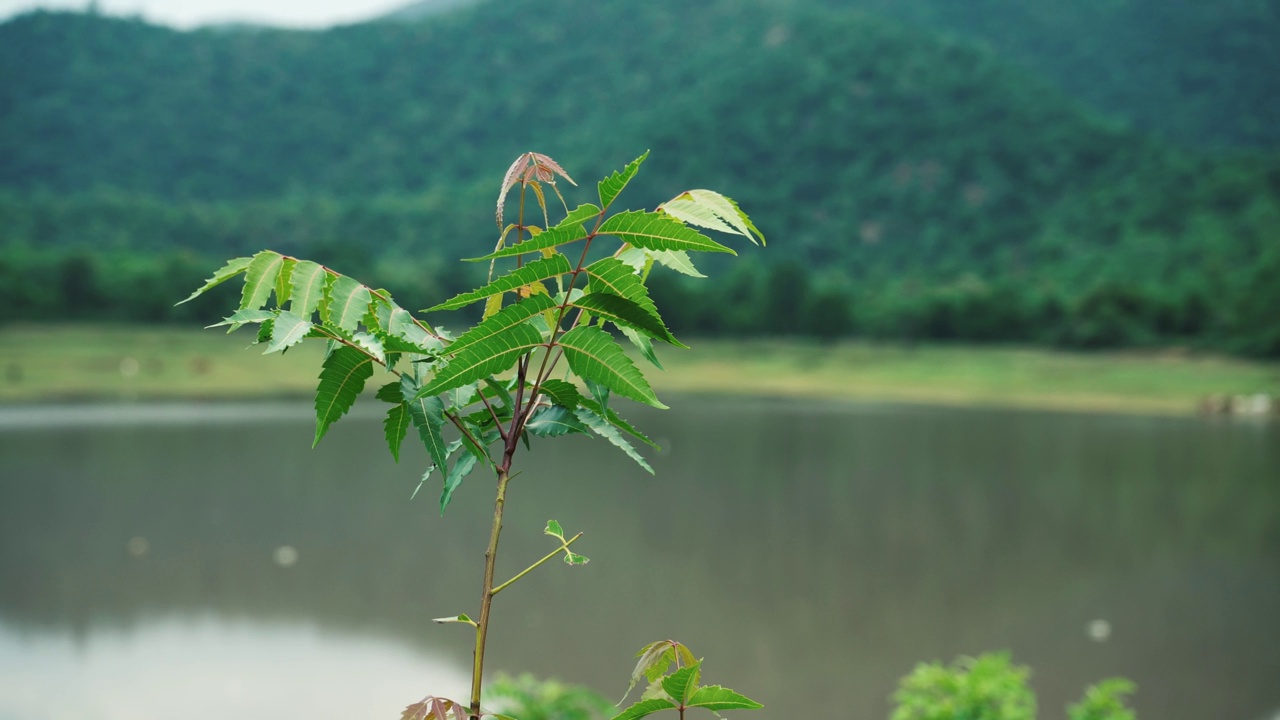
[
  {"x": 495, "y": 386},
  {"x": 926, "y": 188},
  {"x": 991, "y": 687}
]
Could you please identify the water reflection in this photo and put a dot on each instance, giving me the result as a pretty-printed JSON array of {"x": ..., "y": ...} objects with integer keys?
[
  {"x": 205, "y": 668},
  {"x": 812, "y": 553}
]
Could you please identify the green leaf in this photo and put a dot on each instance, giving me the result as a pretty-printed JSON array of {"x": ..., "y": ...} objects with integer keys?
[
  {"x": 455, "y": 619},
  {"x": 537, "y": 270},
  {"x": 507, "y": 317},
  {"x": 593, "y": 355},
  {"x": 561, "y": 392},
  {"x": 677, "y": 260},
  {"x": 555, "y": 421},
  {"x": 681, "y": 684},
  {"x": 657, "y": 231},
  {"x": 599, "y": 392},
  {"x": 463, "y": 467},
  {"x": 625, "y": 313},
  {"x": 342, "y": 378},
  {"x": 240, "y": 318},
  {"x": 395, "y": 426},
  {"x": 233, "y": 268},
  {"x": 573, "y": 558},
  {"x": 427, "y": 414},
  {"x": 345, "y": 304},
  {"x": 610, "y": 275},
  {"x": 284, "y": 282},
  {"x": 561, "y": 234},
  {"x": 486, "y": 357},
  {"x": 716, "y": 698},
  {"x": 612, "y": 186},
  {"x": 710, "y": 209},
  {"x": 260, "y": 279},
  {"x": 390, "y": 393},
  {"x": 644, "y": 708},
  {"x": 644, "y": 345},
  {"x": 308, "y": 282},
  {"x": 499, "y": 390},
  {"x": 372, "y": 345},
  {"x": 287, "y": 331},
  {"x": 607, "y": 431},
  {"x": 554, "y": 530},
  {"x": 616, "y": 420},
  {"x": 399, "y": 332}
]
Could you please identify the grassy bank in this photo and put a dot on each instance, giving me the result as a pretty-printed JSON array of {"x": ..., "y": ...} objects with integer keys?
[{"x": 127, "y": 363}]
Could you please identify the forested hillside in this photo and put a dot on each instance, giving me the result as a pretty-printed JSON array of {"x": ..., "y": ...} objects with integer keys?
[{"x": 949, "y": 193}]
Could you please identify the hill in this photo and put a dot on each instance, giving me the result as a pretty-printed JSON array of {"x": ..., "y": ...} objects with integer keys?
[{"x": 933, "y": 182}]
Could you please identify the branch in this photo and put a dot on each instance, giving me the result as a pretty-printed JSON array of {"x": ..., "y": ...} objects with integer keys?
[{"x": 564, "y": 547}]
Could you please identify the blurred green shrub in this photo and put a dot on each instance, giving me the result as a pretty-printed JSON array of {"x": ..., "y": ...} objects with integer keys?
[
  {"x": 528, "y": 698},
  {"x": 1104, "y": 701}
]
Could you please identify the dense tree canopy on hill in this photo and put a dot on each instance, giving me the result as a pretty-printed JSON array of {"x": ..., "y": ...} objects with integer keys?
[{"x": 936, "y": 182}]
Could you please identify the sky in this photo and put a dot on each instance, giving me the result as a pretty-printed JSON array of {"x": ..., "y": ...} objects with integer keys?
[{"x": 190, "y": 13}]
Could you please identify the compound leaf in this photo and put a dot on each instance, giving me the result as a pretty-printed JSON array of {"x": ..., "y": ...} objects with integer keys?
[
  {"x": 593, "y": 355},
  {"x": 607, "y": 431},
  {"x": 507, "y": 317},
  {"x": 487, "y": 357},
  {"x": 233, "y": 268},
  {"x": 427, "y": 414},
  {"x": 625, "y": 313},
  {"x": 658, "y": 231},
  {"x": 342, "y": 378},
  {"x": 537, "y": 270},
  {"x": 615, "y": 277}
]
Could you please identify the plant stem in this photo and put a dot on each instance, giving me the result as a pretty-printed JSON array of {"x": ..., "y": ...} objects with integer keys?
[
  {"x": 531, "y": 568},
  {"x": 486, "y": 597}
]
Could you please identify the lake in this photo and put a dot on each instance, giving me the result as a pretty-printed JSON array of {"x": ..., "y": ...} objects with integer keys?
[{"x": 205, "y": 561}]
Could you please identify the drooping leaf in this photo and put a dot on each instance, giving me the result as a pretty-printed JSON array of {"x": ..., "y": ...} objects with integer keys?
[
  {"x": 612, "y": 186},
  {"x": 643, "y": 344},
  {"x": 260, "y": 279},
  {"x": 508, "y": 317},
  {"x": 240, "y": 318},
  {"x": 233, "y": 268},
  {"x": 658, "y": 231},
  {"x": 454, "y": 619},
  {"x": 435, "y": 708},
  {"x": 484, "y": 358},
  {"x": 710, "y": 209},
  {"x": 615, "y": 277},
  {"x": 554, "y": 237},
  {"x": 599, "y": 392},
  {"x": 308, "y": 282},
  {"x": 561, "y": 393},
  {"x": 492, "y": 306},
  {"x": 716, "y": 698},
  {"x": 390, "y": 393},
  {"x": 555, "y": 421},
  {"x": 461, "y": 468},
  {"x": 345, "y": 303},
  {"x": 677, "y": 260},
  {"x": 372, "y": 345},
  {"x": 593, "y": 355},
  {"x": 342, "y": 378},
  {"x": 398, "y": 330},
  {"x": 681, "y": 684},
  {"x": 651, "y": 663},
  {"x": 427, "y": 414},
  {"x": 573, "y": 558},
  {"x": 534, "y": 271},
  {"x": 499, "y": 391},
  {"x": 644, "y": 708},
  {"x": 287, "y": 331},
  {"x": 625, "y": 313},
  {"x": 395, "y": 426},
  {"x": 616, "y": 420},
  {"x": 284, "y": 281},
  {"x": 604, "y": 429},
  {"x": 554, "y": 530}
]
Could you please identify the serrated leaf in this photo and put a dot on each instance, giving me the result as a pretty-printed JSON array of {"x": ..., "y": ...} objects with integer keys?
[
  {"x": 677, "y": 260},
  {"x": 644, "y": 708},
  {"x": 499, "y": 391},
  {"x": 610, "y": 275},
  {"x": 716, "y": 698},
  {"x": 260, "y": 279},
  {"x": 561, "y": 393},
  {"x": 427, "y": 414},
  {"x": 454, "y": 619},
  {"x": 644, "y": 345},
  {"x": 390, "y": 393},
  {"x": 593, "y": 355},
  {"x": 288, "y": 330},
  {"x": 395, "y": 426},
  {"x": 610, "y": 187},
  {"x": 345, "y": 303},
  {"x": 308, "y": 281},
  {"x": 599, "y": 392},
  {"x": 650, "y": 657},
  {"x": 616, "y": 420},
  {"x": 553, "y": 529},
  {"x": 710, "y": 209},
  {"x": 681, "y": 684},
  {"x": 486, "y": 357},
  {"x": 284, "y": 281},
  {"x": 625, "y": 313},
  {"x": 372, "y": 345},
  {"x": 604, "y": 429},
  {"x": 399, "y": 331},
  {"x": 555, "y": 421},
  {"x": 342, "y": 378},
  {"x": 233, "y": 268},
  {"x": 573, "y": 558},
  {"x": 658, "y": 231},
  {"x": 508, "y": 317},
  {"x": 534, "y": 271},
  {"x": 554, "y": 237},
  {"x": 461, "y": 468},
  {"x": 492, "y": 306},
  {"x": 265, "y": 330},
  {"x": 240, "y": 318}
]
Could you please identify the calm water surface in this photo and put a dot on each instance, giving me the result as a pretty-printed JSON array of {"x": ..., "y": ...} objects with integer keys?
[{"x": 813, "y": 554}]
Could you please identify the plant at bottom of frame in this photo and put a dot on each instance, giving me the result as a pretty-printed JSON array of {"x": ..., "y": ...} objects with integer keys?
[
  {"x": 543, "y": 361},
  {"x": 674, "y": 675}
]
